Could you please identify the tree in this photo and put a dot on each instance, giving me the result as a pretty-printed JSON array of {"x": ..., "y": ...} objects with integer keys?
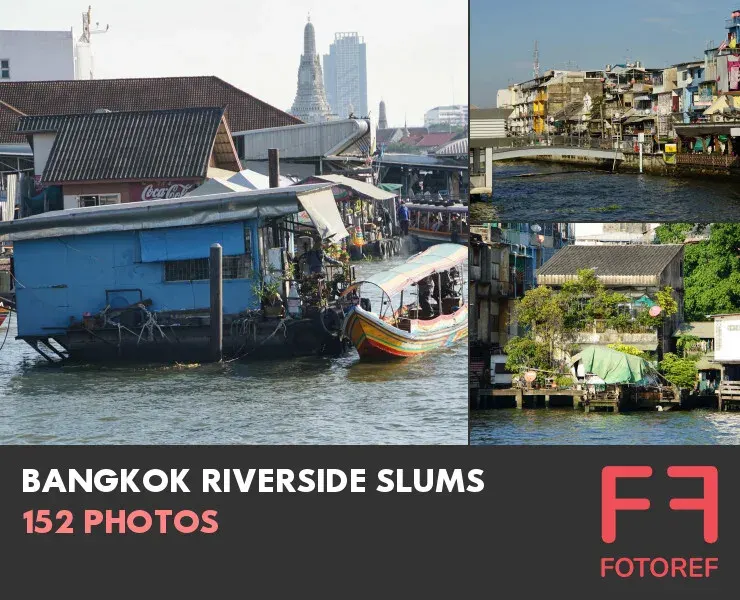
[
  {"x": 711, "y": 268},
  {"x": 685, "y": 343},
  {"x": 524, "y": 353},
  {"x": 681, "y": 372}
]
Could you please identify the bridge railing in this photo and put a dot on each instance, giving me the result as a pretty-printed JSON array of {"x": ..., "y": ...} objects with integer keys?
[{"x": 570, "y": 141}]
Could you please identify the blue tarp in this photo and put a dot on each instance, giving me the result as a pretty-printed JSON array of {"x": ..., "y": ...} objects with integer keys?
[{"x": 159, "y": 245}]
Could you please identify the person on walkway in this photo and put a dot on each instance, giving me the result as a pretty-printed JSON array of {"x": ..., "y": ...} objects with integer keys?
[
  {"x": 315, "y": 258},
  {"x": 403, "y": 217}
]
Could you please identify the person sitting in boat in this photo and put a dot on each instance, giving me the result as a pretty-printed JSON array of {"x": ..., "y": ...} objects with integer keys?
[
  {"x": 315, "y": 258},
  {"x": 425, "y": 290}
]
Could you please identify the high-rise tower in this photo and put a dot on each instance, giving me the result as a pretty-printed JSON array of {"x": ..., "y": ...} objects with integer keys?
[
  {"x": 310, "y": 103},
  {"x": 345, "y": 72}
]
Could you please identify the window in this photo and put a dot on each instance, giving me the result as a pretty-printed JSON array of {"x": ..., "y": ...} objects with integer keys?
[
  {"x": 239, "y": 144},
  {"x": 99, "y": 200},
  {"x": 4, "y": 68},
  {"x": 495, "y": 274},
  {"x": 195, "y": 269}
]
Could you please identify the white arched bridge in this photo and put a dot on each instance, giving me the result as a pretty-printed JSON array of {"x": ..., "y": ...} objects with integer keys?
[
  {"x": 487, "y": 151},
  {"x": 499, "y": 154}
]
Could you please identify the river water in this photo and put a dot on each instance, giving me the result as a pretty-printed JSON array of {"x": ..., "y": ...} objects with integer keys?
[
  {"x": 570, "y": 427},
  {"x": 536, "y": 191},
  {"x": 312, "y": 400}
]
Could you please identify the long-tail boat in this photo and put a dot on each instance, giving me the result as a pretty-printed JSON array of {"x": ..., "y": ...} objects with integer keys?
[
  {"x": 434, "y": 313},
  {"x": 4, "y": 312}
]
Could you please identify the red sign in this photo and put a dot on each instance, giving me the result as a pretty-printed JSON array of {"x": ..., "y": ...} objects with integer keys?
[
  {"x": 161, "y": 190},
  {"x": 708, "y": 504}
]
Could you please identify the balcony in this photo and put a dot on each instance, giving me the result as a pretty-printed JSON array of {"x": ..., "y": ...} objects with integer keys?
[
  {"x": 734, "y": 22},
  {"x": 646, "y": 341}
]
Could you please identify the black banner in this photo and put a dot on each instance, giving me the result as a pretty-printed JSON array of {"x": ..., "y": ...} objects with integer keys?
[{"x": 423, "y": 521}]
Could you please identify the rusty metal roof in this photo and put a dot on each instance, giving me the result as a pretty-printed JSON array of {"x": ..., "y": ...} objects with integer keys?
[
  {"x": 243, "y": 111},
  {"x": 131, "y": 146},
  {"x": 613, "y": 262}
]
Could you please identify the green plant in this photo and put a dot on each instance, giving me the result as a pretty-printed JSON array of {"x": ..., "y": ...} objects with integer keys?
[
  {"x": 681, "y": 372},
  {"x": 685, "y": 342},
  {"x": 627, "y": 349},
  {"x": 268, "y": 292},
  {"x": 523, "y": 353},
  {"x": 711, "y": 267},
  {"x": 564, "y": 381}
]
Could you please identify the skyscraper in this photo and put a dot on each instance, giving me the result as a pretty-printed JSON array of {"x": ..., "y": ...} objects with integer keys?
[
  {"x": 310, "y": 103},
  {"x": 345, "y": 68}
]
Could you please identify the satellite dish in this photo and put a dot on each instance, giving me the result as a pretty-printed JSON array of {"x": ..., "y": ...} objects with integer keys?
[
  {"x": 655, "y": 310},
  {"x": 530, "y": 376}
]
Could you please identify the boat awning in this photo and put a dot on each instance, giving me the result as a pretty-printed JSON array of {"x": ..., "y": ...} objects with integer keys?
[
  {"x": 317, "y": 200},
  {"x": 440, "y": 257},
  {"x": 613, "y": 366}
]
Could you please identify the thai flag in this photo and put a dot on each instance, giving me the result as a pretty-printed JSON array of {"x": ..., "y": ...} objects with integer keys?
[{"x": 722, "y": 46}]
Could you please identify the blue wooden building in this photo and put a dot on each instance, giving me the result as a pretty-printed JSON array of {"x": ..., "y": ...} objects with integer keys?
[{"x": 72, "y": 265}]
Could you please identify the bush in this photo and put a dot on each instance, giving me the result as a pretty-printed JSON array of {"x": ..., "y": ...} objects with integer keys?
[
  {"x": 679, "y": 371},
  {"x": 627, "y": 349},
  {"x": 524, "y": 353}
]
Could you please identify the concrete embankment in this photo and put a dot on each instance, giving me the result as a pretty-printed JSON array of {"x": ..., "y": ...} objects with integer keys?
[{"x": 652, "y": 164}]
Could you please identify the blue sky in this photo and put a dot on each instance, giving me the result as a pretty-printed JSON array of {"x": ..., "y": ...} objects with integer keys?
[{"x": 586, "y": 34}]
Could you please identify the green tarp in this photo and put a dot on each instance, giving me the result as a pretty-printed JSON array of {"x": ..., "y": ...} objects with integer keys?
[
  {"x": 390, "y": 187},
  {"x": 613, "y": 366},
  {"x": 645, "y": 301}
]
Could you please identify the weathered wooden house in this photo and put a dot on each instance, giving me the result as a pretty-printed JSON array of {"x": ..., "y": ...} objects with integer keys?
[{"x": 637, "y": 271}]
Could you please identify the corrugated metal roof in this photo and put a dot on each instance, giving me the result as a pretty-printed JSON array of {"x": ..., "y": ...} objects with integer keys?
[
  {"x": 454, "y": 148},
  {"x": 145, "y": 145},
  {"x": 477, "y": 114},
  {"x": 617, "y": 262},
  {"x": 345, "y": 137},
  {"x": 152, "y": 214},
  {"x": 243, "y": 111}
]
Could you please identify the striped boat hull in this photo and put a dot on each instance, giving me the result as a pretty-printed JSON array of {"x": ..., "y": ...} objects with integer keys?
[
  {"x": 4, "y": 312},
  {"x": 375, "y": 339}
]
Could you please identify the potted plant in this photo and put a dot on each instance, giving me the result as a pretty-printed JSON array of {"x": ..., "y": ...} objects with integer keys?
[{"x": 270, "y": 299}]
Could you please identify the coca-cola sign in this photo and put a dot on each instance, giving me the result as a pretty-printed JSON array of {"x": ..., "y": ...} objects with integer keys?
[{"x": 162, "y": 191}]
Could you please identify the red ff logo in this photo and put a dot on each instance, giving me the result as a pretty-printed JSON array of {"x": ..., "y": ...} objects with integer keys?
[{"x": 610, "y": 504}]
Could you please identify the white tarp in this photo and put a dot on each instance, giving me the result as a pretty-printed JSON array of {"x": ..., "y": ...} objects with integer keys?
[
  {"x": 216, "y": 186},
  {"x": 252, "y": 180},
  {"x": 322, "y": 210}
]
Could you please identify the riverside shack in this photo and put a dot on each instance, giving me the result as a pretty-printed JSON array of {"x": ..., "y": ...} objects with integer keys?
[{"x": 132, "y": 280}]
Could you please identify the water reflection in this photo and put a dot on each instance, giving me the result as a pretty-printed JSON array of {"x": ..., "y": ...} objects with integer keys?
[{"x": 539, "y": 191}]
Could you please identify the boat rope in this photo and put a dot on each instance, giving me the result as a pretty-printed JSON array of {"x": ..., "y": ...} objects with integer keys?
[
  {"x": 239, "y": 354},
  {"x": 119, "y": 326},
  {"x": 149, "y": 325}
]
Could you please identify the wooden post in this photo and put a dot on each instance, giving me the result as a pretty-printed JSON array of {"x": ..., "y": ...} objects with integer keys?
[
  {"x": 547, "y": 400},
  {"x": 519, "y": 399},
  {"x": 273, "y": 160},
  {"x": 217, "y": 309}
]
